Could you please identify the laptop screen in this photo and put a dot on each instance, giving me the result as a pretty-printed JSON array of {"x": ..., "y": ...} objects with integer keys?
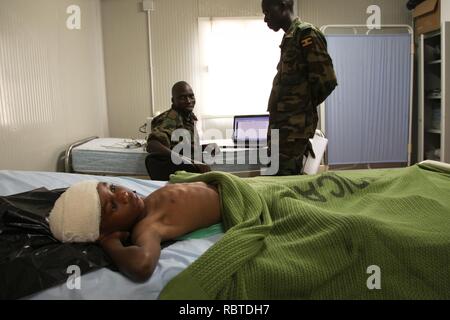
[{"x": 252, "y": 128}]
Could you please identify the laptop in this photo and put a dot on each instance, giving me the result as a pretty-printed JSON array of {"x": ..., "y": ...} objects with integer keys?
[{"x": 250, "y": 130}]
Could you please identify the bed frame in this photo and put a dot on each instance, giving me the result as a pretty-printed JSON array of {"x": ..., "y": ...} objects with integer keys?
[{"x": 68, "y": 154}]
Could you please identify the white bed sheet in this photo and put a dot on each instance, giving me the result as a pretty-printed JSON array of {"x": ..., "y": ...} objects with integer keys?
[{"x": 104, "y": 283}]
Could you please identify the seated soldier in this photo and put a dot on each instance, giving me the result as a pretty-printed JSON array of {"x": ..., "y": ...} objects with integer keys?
[
  {"x": 160, "y": 142},
  {"x": 112, "y": 215}
]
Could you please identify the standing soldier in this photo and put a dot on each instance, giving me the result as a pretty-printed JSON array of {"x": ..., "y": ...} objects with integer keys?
[{"x": 304, "y": 80}]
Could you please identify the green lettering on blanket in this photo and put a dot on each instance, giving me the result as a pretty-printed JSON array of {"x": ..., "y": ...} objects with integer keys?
[
  {"x": 341, "y": 187},
  {"x": 367, "y": 234}
]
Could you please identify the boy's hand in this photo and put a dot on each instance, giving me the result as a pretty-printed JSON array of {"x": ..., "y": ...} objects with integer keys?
[{"x": 138, "y": 260}]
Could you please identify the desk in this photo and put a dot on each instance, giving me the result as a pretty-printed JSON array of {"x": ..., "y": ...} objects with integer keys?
[{"x": 243, "y": 161}]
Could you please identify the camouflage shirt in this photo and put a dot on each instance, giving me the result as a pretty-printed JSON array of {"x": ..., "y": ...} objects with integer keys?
[
  {"x": 305, "y": 75},
  {"x": 166, "y": 123}
]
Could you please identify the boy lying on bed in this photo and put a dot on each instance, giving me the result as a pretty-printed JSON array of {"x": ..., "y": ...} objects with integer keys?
[{"x": 90, "y": 211}]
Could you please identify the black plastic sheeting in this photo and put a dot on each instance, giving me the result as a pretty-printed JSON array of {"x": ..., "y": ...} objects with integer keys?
[{"x": 32, "y": 260}]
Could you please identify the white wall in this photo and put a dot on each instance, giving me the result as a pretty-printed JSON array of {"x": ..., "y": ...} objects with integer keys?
[
  {"x": 52, "y": 89},
  {"x": 323, "y": 12},
  {"x": 229, "y": 8},
  {"x": 52, "y": 80},
  {"x": 125, "y": 41},
  {"x": 445, "y": 10},
  {"x": 175, "y": 54},
  {"x": 175, "y": 45}
]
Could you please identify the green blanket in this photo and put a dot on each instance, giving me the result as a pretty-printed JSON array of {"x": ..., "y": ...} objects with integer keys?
[{"x": 369, "y": 234}]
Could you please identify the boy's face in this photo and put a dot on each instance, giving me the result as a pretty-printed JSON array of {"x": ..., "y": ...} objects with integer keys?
[{"x": 121, "y": 208}]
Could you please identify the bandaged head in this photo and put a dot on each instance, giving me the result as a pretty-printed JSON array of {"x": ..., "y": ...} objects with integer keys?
[{"x": 76, "y": 214}]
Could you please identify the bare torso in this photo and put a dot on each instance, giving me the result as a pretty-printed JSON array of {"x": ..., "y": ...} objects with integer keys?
[{"x": 177, "y": 209}]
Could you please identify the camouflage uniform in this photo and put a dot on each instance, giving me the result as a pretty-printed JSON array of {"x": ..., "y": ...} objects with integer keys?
[
  {"x": 166, "y": 123},
  {"x": 304, "y": 80}
]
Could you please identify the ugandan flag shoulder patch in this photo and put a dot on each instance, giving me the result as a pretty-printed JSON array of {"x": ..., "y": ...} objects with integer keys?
[{"x": 306, "y": 42}]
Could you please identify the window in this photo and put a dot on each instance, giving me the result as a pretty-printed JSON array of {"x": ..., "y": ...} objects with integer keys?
[{"x": 238, "y": 58}]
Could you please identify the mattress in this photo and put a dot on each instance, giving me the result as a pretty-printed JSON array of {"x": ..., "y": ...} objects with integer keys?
[
  {"x": 110, "y": 156},
  {"x": 104, "y": 283}
]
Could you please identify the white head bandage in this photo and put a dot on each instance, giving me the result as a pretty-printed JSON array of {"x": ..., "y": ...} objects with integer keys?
[{"x": 76, "y": 214}]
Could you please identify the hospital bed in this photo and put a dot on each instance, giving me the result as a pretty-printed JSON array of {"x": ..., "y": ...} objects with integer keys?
[
  {"x": 427, "y": 198},
  {"x": 105, "y": 283}
]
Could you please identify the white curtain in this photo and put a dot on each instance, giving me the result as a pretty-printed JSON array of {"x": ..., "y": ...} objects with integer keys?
[
  {"x": 238, "y": 63},
  {"x": 367, "y": 116}
]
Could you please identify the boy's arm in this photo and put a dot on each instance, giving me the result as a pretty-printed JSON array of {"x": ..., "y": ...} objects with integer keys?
[{"x": 137, "y": 261}]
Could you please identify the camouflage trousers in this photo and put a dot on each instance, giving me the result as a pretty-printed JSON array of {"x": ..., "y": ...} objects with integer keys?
[{"x": 295, "y": 130}]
